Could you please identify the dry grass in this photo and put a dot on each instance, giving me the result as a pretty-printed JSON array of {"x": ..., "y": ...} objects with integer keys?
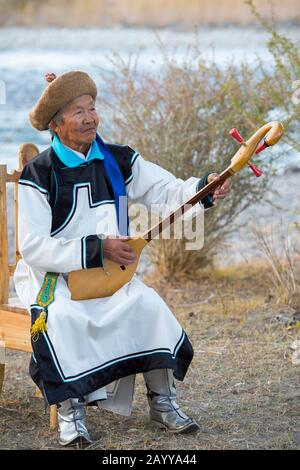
[
  {"x": 280, "y": 253},
  {"x": 241, "y": 386}
]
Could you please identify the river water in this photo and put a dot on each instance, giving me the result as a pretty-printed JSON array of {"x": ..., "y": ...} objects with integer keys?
[{"x": 26, "y": 54}]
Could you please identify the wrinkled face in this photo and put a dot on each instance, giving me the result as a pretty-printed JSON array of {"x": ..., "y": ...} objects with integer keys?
[{"x": 79, "y": 122}]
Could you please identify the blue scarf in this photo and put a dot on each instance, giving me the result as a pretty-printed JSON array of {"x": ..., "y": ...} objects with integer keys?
[{"x": 99, "y": 150}]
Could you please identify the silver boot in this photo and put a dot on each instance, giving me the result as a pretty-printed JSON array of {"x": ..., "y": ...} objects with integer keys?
[
  {"x": 72, "y": 423},
  {"x": 164, "y": 411}
]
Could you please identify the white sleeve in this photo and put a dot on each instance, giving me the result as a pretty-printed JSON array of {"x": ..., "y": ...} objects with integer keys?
[
  {"x": 151, "y": 184},
  {"x": 41, "y": 251}
]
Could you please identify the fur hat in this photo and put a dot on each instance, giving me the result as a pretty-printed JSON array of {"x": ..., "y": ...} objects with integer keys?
[{"x": 60, "y": 91}]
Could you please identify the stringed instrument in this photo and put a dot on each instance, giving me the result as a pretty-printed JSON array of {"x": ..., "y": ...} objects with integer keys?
[{"x": 105, "y": 281}]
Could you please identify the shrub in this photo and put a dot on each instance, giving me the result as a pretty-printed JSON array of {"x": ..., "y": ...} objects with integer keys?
[{"x": 179, "y": 118}]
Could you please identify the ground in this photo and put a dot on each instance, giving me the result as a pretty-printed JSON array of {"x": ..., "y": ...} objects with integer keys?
[{"x": 241, "y": 386}]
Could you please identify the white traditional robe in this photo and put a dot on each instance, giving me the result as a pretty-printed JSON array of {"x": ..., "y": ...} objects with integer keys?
[{"x": 93, "y": 348}]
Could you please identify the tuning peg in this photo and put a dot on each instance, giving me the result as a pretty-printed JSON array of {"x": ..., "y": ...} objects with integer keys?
[
  {"x": 255, "y": 170},
  {"x": 236, "y": 135},
  {"x": 262, "y": 146}
]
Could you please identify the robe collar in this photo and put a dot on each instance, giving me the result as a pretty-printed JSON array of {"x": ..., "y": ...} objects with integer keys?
[{"x": 70, "y": 158}]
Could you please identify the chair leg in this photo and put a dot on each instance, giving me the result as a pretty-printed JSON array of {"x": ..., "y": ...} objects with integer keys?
[
  {"x": 53, "y": 417},
  {"x": 2, "y": 364}
]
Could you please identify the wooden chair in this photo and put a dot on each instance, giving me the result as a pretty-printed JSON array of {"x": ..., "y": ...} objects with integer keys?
[{"x": 14, "y": 319}]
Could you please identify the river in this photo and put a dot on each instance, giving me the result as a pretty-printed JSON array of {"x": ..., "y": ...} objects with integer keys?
[{"x": 26, "y": 54}]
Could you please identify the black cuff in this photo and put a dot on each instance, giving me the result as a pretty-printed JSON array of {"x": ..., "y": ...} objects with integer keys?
[
  {"x": 207, "y": 201},
  {"x": 91, "y": 252}
]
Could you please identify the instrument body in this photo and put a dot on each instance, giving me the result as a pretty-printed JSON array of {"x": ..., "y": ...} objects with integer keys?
[{"x": 103, "y": 282}]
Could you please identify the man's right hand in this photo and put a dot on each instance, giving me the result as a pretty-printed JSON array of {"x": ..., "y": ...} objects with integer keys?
[{"x": 115, "y": 249}]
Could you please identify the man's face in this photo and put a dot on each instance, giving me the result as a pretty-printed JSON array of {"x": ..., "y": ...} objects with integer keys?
[{"x": 79, "y": 122}]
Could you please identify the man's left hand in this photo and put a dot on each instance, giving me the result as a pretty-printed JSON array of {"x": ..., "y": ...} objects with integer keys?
[{"x": 222, "y": 190}]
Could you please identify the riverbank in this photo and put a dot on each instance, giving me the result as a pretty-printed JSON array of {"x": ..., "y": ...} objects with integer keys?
[{"x": 177, "y": 14}]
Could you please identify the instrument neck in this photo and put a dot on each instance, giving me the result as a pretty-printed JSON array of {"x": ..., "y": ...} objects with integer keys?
[{"x": 170, "y": 219}]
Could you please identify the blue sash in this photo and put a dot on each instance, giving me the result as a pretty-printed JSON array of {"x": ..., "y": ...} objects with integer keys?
[{"x": 117, "y": 182}]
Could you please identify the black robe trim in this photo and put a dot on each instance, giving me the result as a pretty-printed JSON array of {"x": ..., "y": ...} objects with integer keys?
[{"x": 56, "y": 389}]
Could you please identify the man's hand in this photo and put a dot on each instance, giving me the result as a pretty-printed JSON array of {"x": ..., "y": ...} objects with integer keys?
[
  {"x": 221, "y": 191},
  {"x": 115, "y": 249}
]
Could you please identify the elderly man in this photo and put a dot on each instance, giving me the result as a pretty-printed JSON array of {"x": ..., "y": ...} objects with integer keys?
[{"x": 89, "y": 351}]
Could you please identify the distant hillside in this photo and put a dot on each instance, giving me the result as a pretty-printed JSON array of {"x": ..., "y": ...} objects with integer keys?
[{"x": 139, "y": 13}]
